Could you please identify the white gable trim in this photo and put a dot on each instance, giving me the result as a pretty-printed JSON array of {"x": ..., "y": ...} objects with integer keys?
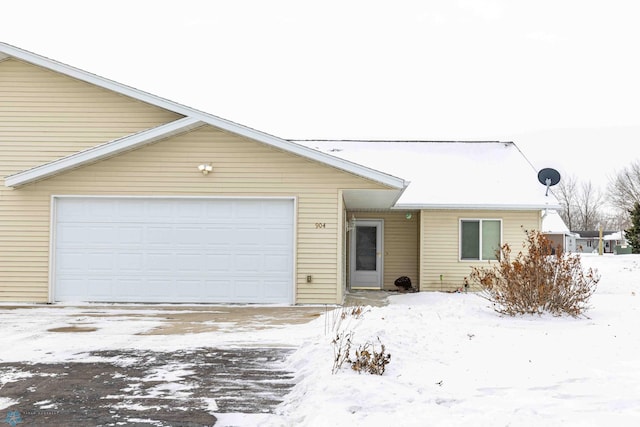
[
  {"x": 102, "y": 151},
  {"x": 218, "y": 122}
]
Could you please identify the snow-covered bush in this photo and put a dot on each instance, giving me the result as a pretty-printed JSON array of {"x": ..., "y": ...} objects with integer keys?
[{"x": 540, "y": 279}]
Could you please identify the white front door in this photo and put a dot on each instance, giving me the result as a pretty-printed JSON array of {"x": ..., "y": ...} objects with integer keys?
[{"x": 366, "y": 254}]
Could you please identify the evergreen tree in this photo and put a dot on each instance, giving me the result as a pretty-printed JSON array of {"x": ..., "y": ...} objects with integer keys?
[{"x": 633, "y": 233}]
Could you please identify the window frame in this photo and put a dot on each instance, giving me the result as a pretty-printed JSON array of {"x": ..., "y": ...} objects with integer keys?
[{"x": 480, "y": 221}]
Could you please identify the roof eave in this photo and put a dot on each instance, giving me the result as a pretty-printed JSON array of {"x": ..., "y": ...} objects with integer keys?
[{"x": 463, "y": 206}]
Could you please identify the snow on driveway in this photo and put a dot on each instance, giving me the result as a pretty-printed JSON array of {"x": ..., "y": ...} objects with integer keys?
[{"x": 153, "y": 365}]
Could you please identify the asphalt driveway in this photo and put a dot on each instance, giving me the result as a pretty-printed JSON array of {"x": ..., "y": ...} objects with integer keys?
[
  {"x": 161, "y": 389},
  {"x": 143, "y": 386}
]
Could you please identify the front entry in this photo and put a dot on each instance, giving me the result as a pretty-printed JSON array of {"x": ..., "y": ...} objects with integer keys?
[{"x": 366, "y": 254}]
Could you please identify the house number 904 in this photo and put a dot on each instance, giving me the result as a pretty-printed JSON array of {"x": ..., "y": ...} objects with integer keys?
[{"x": 321, "y": 225}]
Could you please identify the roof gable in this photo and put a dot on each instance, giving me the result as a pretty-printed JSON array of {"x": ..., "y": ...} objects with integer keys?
[{"x": 193, "y": 114}]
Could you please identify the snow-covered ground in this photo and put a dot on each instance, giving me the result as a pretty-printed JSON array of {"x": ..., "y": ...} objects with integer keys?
[{"x": 454, "y": 361}]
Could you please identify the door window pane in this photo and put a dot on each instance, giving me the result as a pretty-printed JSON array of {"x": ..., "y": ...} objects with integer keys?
[
  {"x": 366, "y": 242},
  {"x": 470, "y": 240}
]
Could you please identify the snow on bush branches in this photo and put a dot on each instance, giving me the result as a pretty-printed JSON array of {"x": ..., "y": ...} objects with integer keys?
[{"x": 542, "y": 279}]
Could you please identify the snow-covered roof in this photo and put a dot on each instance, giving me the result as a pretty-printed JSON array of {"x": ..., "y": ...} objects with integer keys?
[
  {"x": 451, "y": 175},
  {"x": 613, "y": 236},
  {"x": 553, "y": 223}
]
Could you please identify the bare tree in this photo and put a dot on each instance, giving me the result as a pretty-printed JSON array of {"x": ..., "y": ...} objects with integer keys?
[
  {"x": 589, "y": 207},
  {"x": 566, "y": 194},
  {"x": 624, "y": 188},
  {"x": 616, "y": 220},
  {"x": 581, "y": 204}
]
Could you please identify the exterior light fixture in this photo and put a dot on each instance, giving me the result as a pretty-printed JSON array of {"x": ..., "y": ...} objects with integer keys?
[
  {"x": 205, "y": 168},
  {"x": 408, "y": 215}
]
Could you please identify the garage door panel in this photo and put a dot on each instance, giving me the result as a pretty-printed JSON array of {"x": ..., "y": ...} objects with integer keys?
[
  {"x": 274, "y": 263},
  {"x": 218, "y": 289},
  {"x": 186, "y": 288},
  {"x": 126, "y": 289},
  {"x": 159, "y": 211},
  {"x": 98, "y": 235},
  {"x": 72, "y": 289},
  {"x": 71, "y": 234},
  {"x": 174, "y": 250},
  {"x": 189, "y": 210},
  {"x": 155, "y": 289},
  {"x": 248, "y": 235},
  {"x": 252, "y": 209},
  {"x": 71, "y": 211},
  {"x": 248, "y": 263},
  {"x": 159, "y": 235},
  {"x": 70, "y": 262},
  {"x": 277, "y": 236},
  {"x": 158, "y": 263},
  {"x": 189, "y": 263},
  {"x": 100, "y": 262},
  {"x": 217, "y": 236},
  {"x": 132, "y": 210},
  {"x": 130, "y": 235},
  {"x": 188, "y": 236},
  {"x": 218, "y": 263},
  {"x": 129, "y": 262},
  {"x": 222, "y": 210},
  {"x": 247, "y": 289},
  {"x": 273, "y": 288},
  {"x": 102, "y": 287}
]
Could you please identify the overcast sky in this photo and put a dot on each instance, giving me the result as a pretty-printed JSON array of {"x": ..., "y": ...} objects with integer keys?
[{"x": 559, "y": 78}]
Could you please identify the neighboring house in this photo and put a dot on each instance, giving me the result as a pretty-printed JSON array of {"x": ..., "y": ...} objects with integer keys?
[
  {"x": 554, "y": 228},
  {"x": 588, "y": 241},
  {"x": 615, "y": 242},
  {"x": 113, "y": 194}
]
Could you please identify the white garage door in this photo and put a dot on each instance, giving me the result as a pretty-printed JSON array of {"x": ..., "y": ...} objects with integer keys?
[{"x": 173, "y": 250}]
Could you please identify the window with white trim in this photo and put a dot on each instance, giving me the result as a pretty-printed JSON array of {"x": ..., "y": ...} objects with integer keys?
[{"x": 480, "y": 239}]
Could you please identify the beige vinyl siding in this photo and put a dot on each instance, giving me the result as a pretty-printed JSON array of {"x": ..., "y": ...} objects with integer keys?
[
  {"x": 441, "y": 243},
  {"x": 241, "y": 167},
  {"x": 401, "y": 241},
  {"x": 45, "y": 115}
]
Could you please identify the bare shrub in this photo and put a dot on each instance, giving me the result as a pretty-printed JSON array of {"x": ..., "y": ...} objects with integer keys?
[
  {"x": 369, "y": 360},
  {"x": 543, "y": 279},
  {"x": 341, "y": 348},
  {"x": 340, "y": 323},
  {"x": 334, "y": 321}
]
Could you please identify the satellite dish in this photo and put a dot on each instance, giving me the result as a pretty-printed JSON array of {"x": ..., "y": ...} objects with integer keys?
[{"x": 548, "y": 177}]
